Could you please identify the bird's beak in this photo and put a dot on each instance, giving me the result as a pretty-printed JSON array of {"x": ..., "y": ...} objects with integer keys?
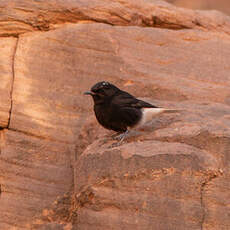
[{"x": 89, "y": 93}]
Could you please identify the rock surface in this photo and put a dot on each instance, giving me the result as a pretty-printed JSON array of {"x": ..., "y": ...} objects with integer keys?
[
  {"x": 7, "y": 49},
  {"x": 222, "y": 5},
  {"x": 60, "y": 170},
  {"x": 158, "y": 189}
]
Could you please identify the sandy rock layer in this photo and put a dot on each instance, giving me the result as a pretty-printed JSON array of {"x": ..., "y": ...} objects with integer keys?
[{"x": 60, "y": 170}]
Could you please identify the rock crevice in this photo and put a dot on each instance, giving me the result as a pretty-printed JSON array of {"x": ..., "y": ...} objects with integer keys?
[
  {"x": 212, "y": 175},
  {"x": 12, "y": 83}
]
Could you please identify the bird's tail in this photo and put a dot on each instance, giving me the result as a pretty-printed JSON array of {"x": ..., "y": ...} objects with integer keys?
[
  {"x": 171, "y": 110},
  {"x": 149, "y": 113}
]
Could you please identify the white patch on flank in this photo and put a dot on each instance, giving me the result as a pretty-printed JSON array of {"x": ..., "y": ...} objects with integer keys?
[{"x": 150, "y": 113}]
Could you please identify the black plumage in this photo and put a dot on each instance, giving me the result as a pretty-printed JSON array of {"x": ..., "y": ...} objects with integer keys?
[{"x": 116, "y": 109}]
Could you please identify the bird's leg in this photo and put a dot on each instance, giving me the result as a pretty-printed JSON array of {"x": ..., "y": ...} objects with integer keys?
[
  {"x": 115, "y": 135},
  {"x": 122, "y": 136}
]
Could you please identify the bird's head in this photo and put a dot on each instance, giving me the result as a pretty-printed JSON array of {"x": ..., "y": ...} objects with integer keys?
[{"x": 102, "y": 91}]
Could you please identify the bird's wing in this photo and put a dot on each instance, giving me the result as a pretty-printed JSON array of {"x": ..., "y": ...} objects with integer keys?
[
  {"x": 127, "y": 109},
  {"x": 130, "y": 116},
  {"x": 125, "y": 99},
  {"x": 144, "y": 104}
]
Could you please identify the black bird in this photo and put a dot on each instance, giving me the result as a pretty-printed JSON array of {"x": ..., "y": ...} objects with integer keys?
[{"x": 118, "y": 110}]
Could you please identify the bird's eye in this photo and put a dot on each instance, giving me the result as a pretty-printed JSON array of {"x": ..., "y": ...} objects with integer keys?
[{"x": 105, "y": 83}]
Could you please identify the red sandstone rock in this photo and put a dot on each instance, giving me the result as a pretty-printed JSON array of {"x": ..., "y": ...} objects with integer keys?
[
  {"x": 58, "y": 169},
  {"x": 222, "y": 5},
  {"x": 7, "y": 51}
]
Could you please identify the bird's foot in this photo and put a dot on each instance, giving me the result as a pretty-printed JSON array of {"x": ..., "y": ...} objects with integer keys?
[{"x": 122, "y": 136}]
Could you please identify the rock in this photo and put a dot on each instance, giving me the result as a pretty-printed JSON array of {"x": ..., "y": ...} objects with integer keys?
[
  {"x": 60, "y": 169},
  {"x": 177, "y": 172},
  {"x": 34, "y": 172},
  {"x": 215, "y": 198},
  {"x": 24, "y": 16},
  {"x": 50, "y": 226},
  {"x": 109, "y": 55},
  {"x": 222, "y": 5},
  {"x": 7, "y": 48}
]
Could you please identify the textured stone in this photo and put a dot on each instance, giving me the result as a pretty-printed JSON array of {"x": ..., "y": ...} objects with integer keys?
[
  {"x": 7, "y": 50},
  {"x": 216, "y": 197},
  {"x": 222, "y": 5},
  {"x": 126, "y": 184},
  {"x": 47, "y": 86},
  {"x": 130, "y": 57},
  {"x": 30, "y": 15},
  {"x": 33, "y": 172},
  {"x": 59, "y": 169}
]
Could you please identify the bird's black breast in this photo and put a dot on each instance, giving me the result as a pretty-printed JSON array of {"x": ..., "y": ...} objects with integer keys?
[{"x": 117, "y": 117}]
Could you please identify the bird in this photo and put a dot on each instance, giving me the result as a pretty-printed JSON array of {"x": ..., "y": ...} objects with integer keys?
[{"x": 120, "y": 111}]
